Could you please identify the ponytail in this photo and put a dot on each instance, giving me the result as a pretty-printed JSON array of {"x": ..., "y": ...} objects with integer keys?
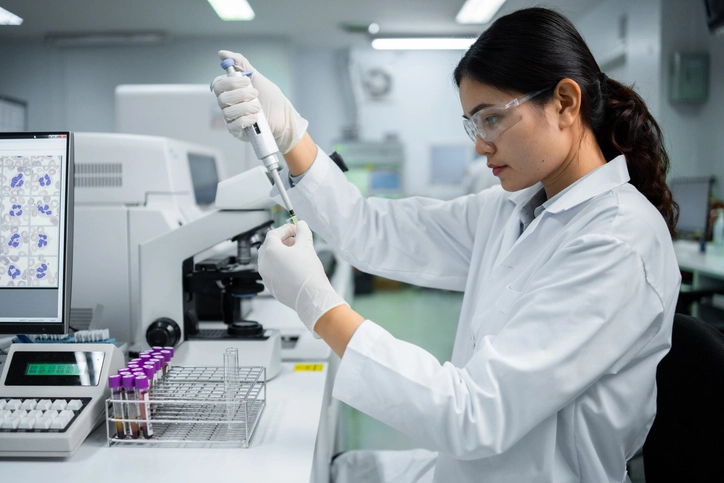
[
  {"x": 533, "y": 49},
  {"x": 625, "y": 126}
]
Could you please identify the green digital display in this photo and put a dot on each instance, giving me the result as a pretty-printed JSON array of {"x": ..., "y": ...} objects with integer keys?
[{"x": 52, "y": 369}]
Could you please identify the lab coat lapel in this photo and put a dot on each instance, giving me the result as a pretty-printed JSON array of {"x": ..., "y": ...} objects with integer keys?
[
  {"x": 512, "y": 227},
  {"x": 514, "y": 249}
]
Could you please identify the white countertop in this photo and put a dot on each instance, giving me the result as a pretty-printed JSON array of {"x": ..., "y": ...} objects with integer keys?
[
  {"x": 282, "y": 448},
  {"x": 689, "y": 257}
]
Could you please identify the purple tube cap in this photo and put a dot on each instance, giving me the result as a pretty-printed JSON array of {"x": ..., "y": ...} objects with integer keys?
[
  {"x": 124, "y": 370},
  {"x": 158, "y": 363},
  {"x": 136, "y": 370},
  {"x": 114, "y": 381},
  {"x": 141, "y": 382},
  {"x": 128, "y": 381},
  {"x": 166, "y": 355},
  {"x": 169, "y": 348},
  {"x": 149, "y": 371}
]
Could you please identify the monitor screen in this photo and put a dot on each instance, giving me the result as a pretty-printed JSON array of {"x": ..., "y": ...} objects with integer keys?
[
  {"x": 204, "y": 177},
  {"x": 692, "y": 195},
  {"x": 36, "y": 204},
  {"x": 384, "y": 181}
]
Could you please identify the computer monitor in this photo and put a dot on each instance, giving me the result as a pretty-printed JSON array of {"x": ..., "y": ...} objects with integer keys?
[
  {"x": 36, "y": 227},
  {"x": 693, "y": 196}
]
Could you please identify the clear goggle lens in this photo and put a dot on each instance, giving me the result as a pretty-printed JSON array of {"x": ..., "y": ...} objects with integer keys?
[{"x": 489, "y": 123}]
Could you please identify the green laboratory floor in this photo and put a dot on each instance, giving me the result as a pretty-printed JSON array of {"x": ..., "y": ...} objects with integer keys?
[{"x": 424, "y": 317}]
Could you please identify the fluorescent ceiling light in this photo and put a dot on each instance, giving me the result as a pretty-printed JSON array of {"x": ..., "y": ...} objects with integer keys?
[
  {"x": 8, "y": 18},
  {"x": 478, "y": 11},
  {"x": 233, "y": 9},
  {"x": 422, "y": 44}
]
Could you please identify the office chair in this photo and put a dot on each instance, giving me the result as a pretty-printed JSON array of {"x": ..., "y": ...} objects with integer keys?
[{"x": 686, "y": 440}]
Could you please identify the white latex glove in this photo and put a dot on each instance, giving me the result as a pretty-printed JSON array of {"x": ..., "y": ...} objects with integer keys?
[
  {"x": 240, "y": 101},
  {"x": 293, "y": 273}
]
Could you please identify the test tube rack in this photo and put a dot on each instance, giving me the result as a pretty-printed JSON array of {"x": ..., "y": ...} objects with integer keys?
[{"x": 190, "y": 407}]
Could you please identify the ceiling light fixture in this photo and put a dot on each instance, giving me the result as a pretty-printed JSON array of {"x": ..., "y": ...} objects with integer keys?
[
  {"x": 422, "y": 43},
  {"x": 233, "y": 9},
  {"x": 478, "y": 11},
  {"x": 9, "y": 18}
]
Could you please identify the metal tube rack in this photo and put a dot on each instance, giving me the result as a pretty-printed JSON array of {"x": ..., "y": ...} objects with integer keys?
[{"x": 190, "y": 407}]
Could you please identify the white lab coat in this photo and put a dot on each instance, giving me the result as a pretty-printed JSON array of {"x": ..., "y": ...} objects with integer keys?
[{"x": 552, "y": 376}]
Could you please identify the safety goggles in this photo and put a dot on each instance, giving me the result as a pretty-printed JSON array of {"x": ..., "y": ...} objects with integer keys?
[{"x": 489, "y": 123}]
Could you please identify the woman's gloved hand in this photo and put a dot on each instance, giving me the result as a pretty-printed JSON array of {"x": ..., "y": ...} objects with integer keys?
[
  {"x": 239, "y": 103},
  {"x": 293, "y": 273}
]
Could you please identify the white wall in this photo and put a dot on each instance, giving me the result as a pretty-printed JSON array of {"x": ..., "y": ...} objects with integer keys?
[
  {"x": 657, "y": 29},
  {"x": 422, "y": 108},
  {"x": 693, "y": 131},
  {"x": 641, "y": 47},
  {"x": 73, "y": 88}
]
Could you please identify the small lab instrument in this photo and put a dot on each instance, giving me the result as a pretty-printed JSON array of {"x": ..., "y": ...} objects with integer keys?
[
  {"x": 53, "y": 395},
  {"x": 263, "y": 142},
  {"x": 194, "y": 298}
]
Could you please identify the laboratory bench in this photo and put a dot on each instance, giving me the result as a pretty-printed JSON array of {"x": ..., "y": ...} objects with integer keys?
[
  {"x": 292, "y": 443},
  {"x": 702, "y": 271}
]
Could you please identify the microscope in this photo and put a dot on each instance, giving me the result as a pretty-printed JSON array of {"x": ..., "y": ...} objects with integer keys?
[{"x": 193, "y": 295}]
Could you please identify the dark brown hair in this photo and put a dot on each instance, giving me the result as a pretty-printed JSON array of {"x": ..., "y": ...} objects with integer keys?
[{"x": 533, "y": 49}]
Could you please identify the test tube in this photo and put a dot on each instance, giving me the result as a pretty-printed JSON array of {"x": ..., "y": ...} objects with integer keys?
[
  {"x": 170, "y": 349},
  {"x": 150, "y": 372},
  {"x": 144, "y": 407},
  {"x": 168, "y": 355},
  {"x": 114, "y": 383},
  {"x": 231, "y": 380},
  {"x": 130, "y": 405},
  {"x": 163, "y": 367}
]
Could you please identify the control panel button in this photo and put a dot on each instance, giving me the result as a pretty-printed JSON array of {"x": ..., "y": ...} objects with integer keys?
[
  {"x": 75, "y": 404},
  {"x": 29, "y": 404},
  {"x": 59, "y": 404},
  {"x": 13, "y": 404},
  {"x": 44, "y": 404}
]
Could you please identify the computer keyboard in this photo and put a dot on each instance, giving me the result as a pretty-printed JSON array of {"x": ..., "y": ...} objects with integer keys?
[{"x": 39, "y": 414}]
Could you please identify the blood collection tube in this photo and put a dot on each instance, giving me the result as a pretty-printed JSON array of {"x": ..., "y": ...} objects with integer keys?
[
  {"x": 170, "y": 349},
  {"x": 130, "y": 405},
  {"x": 144, "y": 407},
  {"x": 150, "y": 373},
  {"x": 167, "y": 355},
  {"x": 163, "y": 364},
  {"x": 114, "y": 383}
]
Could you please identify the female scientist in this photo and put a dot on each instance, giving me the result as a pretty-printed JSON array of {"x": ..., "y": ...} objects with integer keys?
[{"x": 568, "y": 269}]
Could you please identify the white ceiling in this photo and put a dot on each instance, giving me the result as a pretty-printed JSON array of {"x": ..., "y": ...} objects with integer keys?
[{"x": 311, "y": 23}]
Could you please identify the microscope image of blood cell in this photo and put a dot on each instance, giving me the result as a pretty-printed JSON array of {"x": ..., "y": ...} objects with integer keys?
[{"x": 30, "y": 214}]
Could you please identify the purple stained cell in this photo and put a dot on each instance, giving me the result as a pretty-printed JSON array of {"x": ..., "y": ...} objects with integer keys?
[
  {"x": 17, "y": 181},
  {"x": 14, "y": 241},
  {"x": 13, "y": 271}
]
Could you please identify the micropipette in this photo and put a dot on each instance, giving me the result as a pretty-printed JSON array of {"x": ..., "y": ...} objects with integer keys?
[{"x": 263, "y": 142}]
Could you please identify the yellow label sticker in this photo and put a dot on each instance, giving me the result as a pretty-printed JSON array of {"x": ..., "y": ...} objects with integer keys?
[{"x": 309, "y": 367}]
